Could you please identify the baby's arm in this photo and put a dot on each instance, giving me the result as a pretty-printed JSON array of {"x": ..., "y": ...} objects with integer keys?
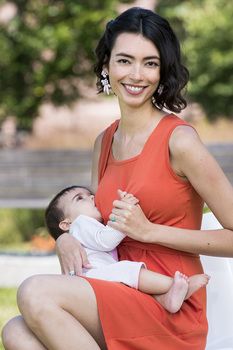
[{"x": 94, "y": 235}]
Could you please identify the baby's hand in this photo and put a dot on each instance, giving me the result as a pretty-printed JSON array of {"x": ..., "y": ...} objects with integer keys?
[{"x": 127, "y": 197}]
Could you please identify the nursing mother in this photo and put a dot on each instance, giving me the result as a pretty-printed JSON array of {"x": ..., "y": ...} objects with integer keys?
[{"x": 160, "y": 159}]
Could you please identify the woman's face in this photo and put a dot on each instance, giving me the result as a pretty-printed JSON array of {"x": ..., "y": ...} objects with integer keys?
[{"x": 134, "y": 69}]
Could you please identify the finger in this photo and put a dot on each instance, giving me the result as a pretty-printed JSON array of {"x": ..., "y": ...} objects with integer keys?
[
  {"x": 67, "y": 266},
  {"x": 131, "y": 200},
  {"x": 128, "y": 195},
  {"x": 134, "y": 201},
  {"x": 70, "y": 269},
  {"x": 78, "y": 265},
  {"x": 61, "y": 265},
  {"x": 119, "y": 204},
  {"x": 116, "y": 218},
  {"x": 121, "y": 193},
  {"x": 123, "y": 212},
  {"x": 73, "y": 265},
  {"x": 117, "y": 225},
  {"x": 116, "y": 212},
  {"x": 85, "y": 261}
]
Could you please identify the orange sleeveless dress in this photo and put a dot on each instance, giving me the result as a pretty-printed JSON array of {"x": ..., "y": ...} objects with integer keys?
[{"x": 132, "y": 320}]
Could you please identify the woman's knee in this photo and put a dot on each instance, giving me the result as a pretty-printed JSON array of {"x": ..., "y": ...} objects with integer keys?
[
  {"x": 31, "y": 297},
  {"x": 10, "y": 332},
  {"x": 40, "y": 294}
]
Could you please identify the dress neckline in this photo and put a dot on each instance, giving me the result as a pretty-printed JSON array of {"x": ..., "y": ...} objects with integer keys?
[{"x": 134, "y": 158}]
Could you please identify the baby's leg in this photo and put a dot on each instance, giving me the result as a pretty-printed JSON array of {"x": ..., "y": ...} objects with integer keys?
[
  {"x": 151, "y": 282},
  {"x": 175, "y": 296},
  {"x": 196, "y": 282},
  {"x": 171, "y": 291}
]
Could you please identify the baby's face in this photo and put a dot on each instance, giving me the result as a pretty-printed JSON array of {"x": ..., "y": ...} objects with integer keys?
[{"x": 79, "y": 201}]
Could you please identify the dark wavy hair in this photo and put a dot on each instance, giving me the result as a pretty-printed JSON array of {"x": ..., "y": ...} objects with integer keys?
[
  {"x": 54, "y": 214},
  {"x": 173, "y": 75}
]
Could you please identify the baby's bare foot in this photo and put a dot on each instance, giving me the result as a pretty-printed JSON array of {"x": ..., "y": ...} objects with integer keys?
[
  {"x": 196, "y": 282},
  {"x": 173, "y": 299}
]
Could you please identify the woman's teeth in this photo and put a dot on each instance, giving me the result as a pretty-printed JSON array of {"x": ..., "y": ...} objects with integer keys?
[{"x": 134, "y": 88}]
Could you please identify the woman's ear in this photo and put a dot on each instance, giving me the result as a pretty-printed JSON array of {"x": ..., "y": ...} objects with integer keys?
[
  {"x": 65, "y": 225},
  {"x": 105, "y": 68}
]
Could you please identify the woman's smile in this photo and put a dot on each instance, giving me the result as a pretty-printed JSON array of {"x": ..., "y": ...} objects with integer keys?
[
  {"x": 134, "y": 89},
  {"x": 134, "y": 69}
]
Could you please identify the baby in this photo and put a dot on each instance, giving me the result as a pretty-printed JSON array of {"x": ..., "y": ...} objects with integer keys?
[{"x": 73, "y": 210}]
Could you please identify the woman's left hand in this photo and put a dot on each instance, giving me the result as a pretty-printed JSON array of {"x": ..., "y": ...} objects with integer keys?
[{"x": 130, "y": 219}]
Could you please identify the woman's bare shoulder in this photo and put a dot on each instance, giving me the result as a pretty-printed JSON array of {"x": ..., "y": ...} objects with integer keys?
[
  {"x": 184, "y": 138},
  {"x": 185, "y": 146}
]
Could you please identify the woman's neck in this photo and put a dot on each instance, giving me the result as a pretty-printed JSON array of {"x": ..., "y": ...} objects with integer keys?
[{"x": 134, "y": 120}]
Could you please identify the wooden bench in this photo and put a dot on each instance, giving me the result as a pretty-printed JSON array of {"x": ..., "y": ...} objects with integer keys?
[{"x": 29, "y": 178}]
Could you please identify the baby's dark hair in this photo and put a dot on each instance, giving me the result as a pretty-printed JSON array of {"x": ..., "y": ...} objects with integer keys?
[
  {"x": 173, "y": 74},
  {"x": 54, "y": 214}
]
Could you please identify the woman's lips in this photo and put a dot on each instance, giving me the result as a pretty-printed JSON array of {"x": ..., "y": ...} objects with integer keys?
[{"x": 134, "y": 89}]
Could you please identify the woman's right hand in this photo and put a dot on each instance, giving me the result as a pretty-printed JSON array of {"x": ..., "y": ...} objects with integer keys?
[{"x": 72, "y": 256}]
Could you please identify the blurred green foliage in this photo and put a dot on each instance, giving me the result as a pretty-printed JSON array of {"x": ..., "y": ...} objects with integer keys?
[
  {"x": 47, "y": 51},
  {"x": 46, "y": 48},
  {"x": 19, "y": 225},
  {"x": 8, "y": 307},
  {"x": 206, "y": 30}
]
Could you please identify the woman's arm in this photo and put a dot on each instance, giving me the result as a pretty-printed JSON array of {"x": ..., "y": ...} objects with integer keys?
[
  {"x": 190, "y": 160},
  {"x": 95, "y": 162},
  {"x": 72, "y": 256}
]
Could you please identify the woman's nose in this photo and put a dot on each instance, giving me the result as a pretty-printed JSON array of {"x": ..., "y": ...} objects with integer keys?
[{"x": 136, "y": 73}]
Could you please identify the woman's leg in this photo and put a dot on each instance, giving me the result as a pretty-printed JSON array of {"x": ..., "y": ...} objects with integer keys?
[
  {"x": 17, "y": 336},
  {"x": 62, "y": 312}
]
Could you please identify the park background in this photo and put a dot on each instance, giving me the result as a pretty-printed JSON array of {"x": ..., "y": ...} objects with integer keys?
[{"x": 50, "y": 112}]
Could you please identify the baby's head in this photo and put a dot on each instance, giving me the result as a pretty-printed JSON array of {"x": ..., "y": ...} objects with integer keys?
[{"x": 66, "y": 206}]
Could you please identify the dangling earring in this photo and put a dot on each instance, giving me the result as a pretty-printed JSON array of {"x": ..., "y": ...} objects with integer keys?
[
  {"x": 105, "y": 83},
  {"x": 158, "y": 92},
  {"x": 160, "y": 89},
  {"x": 153, "y": 101}
]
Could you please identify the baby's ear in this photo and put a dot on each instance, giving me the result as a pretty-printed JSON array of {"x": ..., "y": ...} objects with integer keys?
[{"x": 65, "y": 225}]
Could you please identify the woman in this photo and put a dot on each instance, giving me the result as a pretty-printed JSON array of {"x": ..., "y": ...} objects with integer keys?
[{"x": 160, "y": 159}]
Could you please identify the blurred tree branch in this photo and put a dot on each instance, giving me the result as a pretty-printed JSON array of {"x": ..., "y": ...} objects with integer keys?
[
  {"x": 46, "y": 48},
  {"x": 206, "y": 30}
]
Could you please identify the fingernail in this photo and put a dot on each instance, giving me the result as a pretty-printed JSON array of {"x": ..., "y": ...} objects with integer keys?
[{"x": 88, "y": 266}]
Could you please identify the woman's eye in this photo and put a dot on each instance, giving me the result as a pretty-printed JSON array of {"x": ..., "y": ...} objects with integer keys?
[
  {"x": 123, "y": 60},
  {"x": 152, "y": 64}
]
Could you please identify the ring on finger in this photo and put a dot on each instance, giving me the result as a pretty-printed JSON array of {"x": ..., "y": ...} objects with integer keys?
[
  {"x": 72, "y": 273},
  {"x": 113, "y": 219}
]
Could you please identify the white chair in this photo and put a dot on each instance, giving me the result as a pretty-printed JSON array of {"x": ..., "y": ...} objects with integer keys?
[{"x": 219, "y": 295}]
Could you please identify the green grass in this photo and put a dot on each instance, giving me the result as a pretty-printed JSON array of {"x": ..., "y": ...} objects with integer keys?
[
  {"x": 20, "y": 247},
  {"x": 8, "y": 307}
]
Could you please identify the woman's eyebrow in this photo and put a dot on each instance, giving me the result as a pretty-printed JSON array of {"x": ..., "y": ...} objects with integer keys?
[{"x": 130, "y": 56}]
